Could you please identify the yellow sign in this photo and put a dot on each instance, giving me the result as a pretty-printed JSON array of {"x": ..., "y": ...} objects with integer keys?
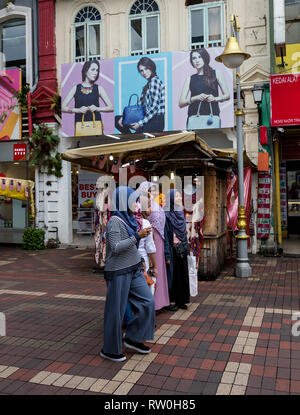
[{"x": 291, "y": 60}]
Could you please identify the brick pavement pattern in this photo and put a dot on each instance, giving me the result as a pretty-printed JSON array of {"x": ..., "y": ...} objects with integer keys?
[{"x": 238, "y": 336}]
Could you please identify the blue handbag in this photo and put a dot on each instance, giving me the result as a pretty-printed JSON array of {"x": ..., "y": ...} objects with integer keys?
[{"x": 132, "y": 113}]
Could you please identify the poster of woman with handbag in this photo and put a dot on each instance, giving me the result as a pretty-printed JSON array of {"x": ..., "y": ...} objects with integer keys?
[
  {"x": 86, "y": 97},
  {"x": 152, "y": 101},
  {"x": 200, "y": 93}
]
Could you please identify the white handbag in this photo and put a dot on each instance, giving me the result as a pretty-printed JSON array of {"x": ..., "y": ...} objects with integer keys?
[{"x": 201, "y": 122}]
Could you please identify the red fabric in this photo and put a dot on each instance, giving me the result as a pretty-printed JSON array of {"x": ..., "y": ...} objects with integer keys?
[
  {"x": 232, "y": 198},
  {"x": 263, "y": 135}
]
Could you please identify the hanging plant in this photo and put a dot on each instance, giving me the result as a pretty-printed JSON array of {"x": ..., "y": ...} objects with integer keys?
[
  {"x": 55, "y": 103},
  {"x": 43, "y": 151},
  {"x": 21, "y": 96}
]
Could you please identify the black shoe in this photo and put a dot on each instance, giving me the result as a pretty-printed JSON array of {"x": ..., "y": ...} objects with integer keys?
[
  {"x": 171, "y": 307},
  {"x": 113, "y": 357},
  {"x": 183, "y": 307},
  {"x": 138, "y": 347}
]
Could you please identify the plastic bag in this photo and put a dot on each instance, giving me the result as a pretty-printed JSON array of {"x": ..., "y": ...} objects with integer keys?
[{"x": 193, "y": 275}]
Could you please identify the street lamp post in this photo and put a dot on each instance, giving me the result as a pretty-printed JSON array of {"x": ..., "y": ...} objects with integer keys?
[{"x": 233, "y": 57}]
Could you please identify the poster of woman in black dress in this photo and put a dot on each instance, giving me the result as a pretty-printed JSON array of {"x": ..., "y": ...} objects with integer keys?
[
  {"x": 202, "y": 92},
  {"x": 87, "y": 97}
]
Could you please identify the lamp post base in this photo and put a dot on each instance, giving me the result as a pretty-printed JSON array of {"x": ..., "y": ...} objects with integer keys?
[{"x": 243, "y": 270}]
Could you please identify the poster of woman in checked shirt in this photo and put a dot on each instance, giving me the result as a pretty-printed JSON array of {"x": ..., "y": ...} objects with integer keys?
[{"x": 152, "y": 99}]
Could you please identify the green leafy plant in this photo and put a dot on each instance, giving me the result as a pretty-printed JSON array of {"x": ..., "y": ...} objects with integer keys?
[
  {"x": 43, "y": 150},
  {"x": 33, "y": 239},
  {"x": 21, "y": 96},
  {"x": 55, "y": 104}
]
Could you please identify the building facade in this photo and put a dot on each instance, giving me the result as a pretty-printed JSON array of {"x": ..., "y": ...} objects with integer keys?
[{"x": 71, "y": 32}]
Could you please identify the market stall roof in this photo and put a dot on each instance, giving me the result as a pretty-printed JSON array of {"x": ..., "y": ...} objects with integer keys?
[
  {"x": 135, "y": 148},
  {"x": 225, "y": 154}
]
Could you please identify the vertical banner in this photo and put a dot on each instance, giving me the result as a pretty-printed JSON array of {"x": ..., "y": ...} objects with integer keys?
[
  {"x": 10, "y": 118},
  {"x": 283, "y": 195},
  {"x": 263, "y": 205}
]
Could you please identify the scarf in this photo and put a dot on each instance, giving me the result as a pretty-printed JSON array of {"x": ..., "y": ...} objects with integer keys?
[
  {"x": 157, "y": 217},
  {"x": 123, "y": 197},
  {"x": 176, "y": 217}
]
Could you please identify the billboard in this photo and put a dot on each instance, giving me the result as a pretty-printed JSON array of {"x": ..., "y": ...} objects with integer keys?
[
  {"x": 186, "y": 90},
  {"x": 10, "y": 119},
  {"x": 285, "y": 92}
]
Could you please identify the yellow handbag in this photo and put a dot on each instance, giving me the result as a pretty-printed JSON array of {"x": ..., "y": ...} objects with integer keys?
[{"x": 93, "y": 127}]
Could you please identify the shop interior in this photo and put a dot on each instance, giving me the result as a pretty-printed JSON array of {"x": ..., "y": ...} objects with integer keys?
[{"x": 14, "y": 212}]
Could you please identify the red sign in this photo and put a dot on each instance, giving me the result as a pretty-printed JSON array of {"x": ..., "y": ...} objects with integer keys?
[
  {"x": 285, "y": 92},
  {"x": 20, "y": 152}
]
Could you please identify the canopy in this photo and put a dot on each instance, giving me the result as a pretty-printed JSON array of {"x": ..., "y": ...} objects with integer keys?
[{"x": 135, "y": 148}]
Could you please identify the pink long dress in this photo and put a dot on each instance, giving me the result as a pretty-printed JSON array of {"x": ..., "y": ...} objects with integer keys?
[{"x": 161, "y": 296}]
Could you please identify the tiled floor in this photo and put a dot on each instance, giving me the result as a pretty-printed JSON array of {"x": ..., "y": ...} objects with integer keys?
[{"x": 238, "y": 336}]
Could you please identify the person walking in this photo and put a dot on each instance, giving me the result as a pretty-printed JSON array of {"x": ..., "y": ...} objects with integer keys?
[
  {"x": 179, "y": 289},
  {"x": 125, "y": 281},
  {"x": 157, "y": 219}
]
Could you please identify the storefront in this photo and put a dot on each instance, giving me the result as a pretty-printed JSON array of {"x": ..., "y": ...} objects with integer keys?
[
  {"x": 285, "y": 120},
  {"x": 16, "y": 191}
]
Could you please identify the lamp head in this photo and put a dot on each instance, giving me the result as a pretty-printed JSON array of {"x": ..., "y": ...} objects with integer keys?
[
  {"x": 232, "y": 56},
  {"x": 257, "y": 92}
]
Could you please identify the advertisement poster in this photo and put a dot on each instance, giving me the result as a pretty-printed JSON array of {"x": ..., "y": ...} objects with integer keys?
[
  {"x": 190, "y": 81},
  {"x": 285, "y": 91},
  {"x": 77, "y": 97},
  {"x": 152, "y": 93},
  {"x": 263, "y": 205},
  {"x": 10, "y": 119},
  {"x": 87, "y": 191}
]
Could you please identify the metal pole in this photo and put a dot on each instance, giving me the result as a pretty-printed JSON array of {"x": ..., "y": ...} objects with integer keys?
[{"x": 243, "y": 268}]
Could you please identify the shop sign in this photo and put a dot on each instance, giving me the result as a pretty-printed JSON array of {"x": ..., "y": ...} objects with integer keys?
[
  {"x": 87, "y": 190},
  {"x": 285, "y": 92},
  {"x": 126, "y": 83},
  {"x": 291, "y": 59},
  {"x": 20, "y": 152}
]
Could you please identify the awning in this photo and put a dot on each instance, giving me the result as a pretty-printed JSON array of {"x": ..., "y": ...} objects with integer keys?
[{"x": 137, "y": 148}]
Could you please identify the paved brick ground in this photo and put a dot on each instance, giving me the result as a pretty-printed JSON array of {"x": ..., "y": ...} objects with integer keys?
[{"x": 235, "y": 338}]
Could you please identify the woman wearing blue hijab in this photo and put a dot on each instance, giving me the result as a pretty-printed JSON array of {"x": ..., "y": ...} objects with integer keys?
[
  {"x": 177, "y": 266},
  {"x": 125, "y": 281}
]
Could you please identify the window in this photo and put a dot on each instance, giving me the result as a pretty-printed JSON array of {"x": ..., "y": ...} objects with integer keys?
[
  {"x": 13, "y": 44},
  {"x": 17, "y": 40},
  {"x": 144, "y": 27},
  {"x": 87, "y": 34},
  {"x": 206, "y": 24},
  {"x": 292, "y": 21}
]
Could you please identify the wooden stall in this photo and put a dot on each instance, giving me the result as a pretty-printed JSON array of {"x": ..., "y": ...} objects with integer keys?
[{"x": 185, "y": 154}]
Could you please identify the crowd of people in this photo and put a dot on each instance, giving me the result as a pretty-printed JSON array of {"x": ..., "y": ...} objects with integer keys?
[{"x": 146, "y": 246}]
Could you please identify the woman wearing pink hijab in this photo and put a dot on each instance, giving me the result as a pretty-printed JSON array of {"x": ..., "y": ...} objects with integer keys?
[{"x": 157, "y": 220}]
